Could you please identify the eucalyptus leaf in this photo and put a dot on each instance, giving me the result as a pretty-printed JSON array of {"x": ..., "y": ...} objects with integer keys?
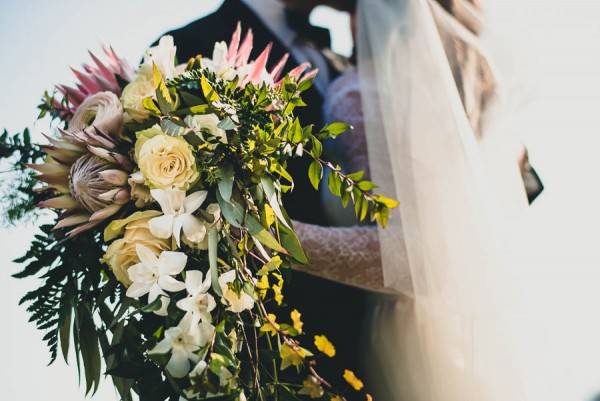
[
  {"x": 213, "y": 240},
  {"x": 226, "y": 182},
  {"x": 273, "y": 198}
]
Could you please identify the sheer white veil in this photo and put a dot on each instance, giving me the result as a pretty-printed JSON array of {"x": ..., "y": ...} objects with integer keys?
[{"x": 445, "y": 337}]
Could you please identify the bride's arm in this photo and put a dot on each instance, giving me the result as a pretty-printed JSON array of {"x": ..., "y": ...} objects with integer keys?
[{"x": 348, "y": 255}]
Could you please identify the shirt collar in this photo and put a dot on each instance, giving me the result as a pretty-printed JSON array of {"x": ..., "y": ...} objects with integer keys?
[{"x": 272, "y": 14}]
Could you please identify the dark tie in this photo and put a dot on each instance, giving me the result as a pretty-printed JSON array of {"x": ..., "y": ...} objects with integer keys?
[{"x": 316, "y": 36}]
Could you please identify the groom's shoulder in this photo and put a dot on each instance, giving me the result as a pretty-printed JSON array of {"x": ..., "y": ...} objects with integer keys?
[{"x": 199, "y": 36}]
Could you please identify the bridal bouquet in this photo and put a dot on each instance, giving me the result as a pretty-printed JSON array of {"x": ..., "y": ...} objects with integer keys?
[{"x": 170, "y": 245}]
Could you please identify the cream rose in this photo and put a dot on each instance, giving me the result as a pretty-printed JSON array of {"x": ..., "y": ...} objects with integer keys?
[
  {"x": 133, "y": 94},
  {"x": 206, "y": 123},
  {"x": 122, "y": 254},
  {"x": 166, "y": 162}
]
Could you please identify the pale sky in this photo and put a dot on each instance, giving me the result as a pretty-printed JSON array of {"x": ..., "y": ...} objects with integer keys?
[{"x": 553, "y": 47}]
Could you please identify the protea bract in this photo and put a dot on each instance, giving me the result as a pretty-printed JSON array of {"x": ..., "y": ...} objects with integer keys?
[{"x": 87, "y": 165}]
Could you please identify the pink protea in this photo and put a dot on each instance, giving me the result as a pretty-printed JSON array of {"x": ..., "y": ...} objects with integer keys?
[
  {"x": 86, "y": 166},
  {"x": 100, "y": 76},
  {"x": 235, "y": 60}
]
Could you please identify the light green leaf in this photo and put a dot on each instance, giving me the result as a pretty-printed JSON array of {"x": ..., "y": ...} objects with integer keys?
[
  {"x": 173, "y": 127},
  {"x": 335, "y": 184},
  {"x": 315, "y": 173},
  {"x": 273, "y": 198},
  {"x": 226, "y": 124},
  {"x": 208, "y": 91},
  {"x": 226, "y": 182},
  {"x": 259, "y": 233},
  {"x": 291, "y": 243},
  {"x": 232, "y": 211}
]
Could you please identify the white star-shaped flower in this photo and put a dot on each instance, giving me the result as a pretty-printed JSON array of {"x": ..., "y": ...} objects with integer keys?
[
  {"x": 237, "y": 302},
  {"x": 198, "y": 302},
  {"x": 183, "y": 342},
  {"x": 178, "y": 215},
  {"x": 154, "y": 276}
]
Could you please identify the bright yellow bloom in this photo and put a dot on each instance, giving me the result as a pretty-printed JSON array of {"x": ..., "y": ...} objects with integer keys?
[
  {"x": 296, "y": 319},
  {"x": 291, "y": 356},
  {"x": 312, "y": 388},
  {"x": 323, "y": 345},
  {"x": 353, "y": 380},
  {"x": 263, "y": 286},
  {"x": 270, "y": 327},
  {"x": 337, "y": 398},
  {"x": 277, "y": 288},
  {"x": 369, "y": 398}
]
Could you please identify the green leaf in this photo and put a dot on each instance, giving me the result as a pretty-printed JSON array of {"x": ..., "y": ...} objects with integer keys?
[
  {"x": 227, "y": 124},
  {"x": 90, "y": 352},
  {"x": 192, "y": 100},
  {"x": 273, "y": 198},
  {"x": 315, "y": 173},
  {"x": 226, "y": 182},
  {"x": 263, "y": 236},
  {"x": 173, "y": 127},
  {"x": 232, "y": 211},
  {"x": 295, "y": 132},
  {"x": 291, "y": 243},
  {"x": 306, "y": 84},
  {"x": 166, "y": 104},
  {"x": 208, "y": 91},
  {"x": 335, "y": 183},
  {"x": 65, "y": 336},
  {"x": 356, "y": 176},
  {"x": 150, "y": 106},
  {"x": 213, "y": 240},
  {"x": 152, "y": 307},
  {"x": 366, "y": 185},
  {"x": 388, "y": 202},
  {"x": 278, "y": 168},
  {"x": 334, "y": 129}
]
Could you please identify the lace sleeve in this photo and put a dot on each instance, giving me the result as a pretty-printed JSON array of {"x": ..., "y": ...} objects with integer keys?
[
  {"x": 343, "y": 103},
  {"x": 349, "y": 255}
]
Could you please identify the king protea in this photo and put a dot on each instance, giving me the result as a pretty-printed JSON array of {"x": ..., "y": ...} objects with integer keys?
[{"x": 87, "y": 165}]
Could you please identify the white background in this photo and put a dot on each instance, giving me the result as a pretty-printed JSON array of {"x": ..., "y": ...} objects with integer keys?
[{"x": 553, "y": 45}]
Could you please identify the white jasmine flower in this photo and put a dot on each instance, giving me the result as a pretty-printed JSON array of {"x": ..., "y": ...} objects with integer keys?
[
  {"x": 198, "y": 302},
  {"x": 183, "y": 341},
  {"x": 206, "y": 123},
  {"x": 237, "y": 302},
  {"x": 178, "y": 215},
  {"x": 154, "y": 276}
]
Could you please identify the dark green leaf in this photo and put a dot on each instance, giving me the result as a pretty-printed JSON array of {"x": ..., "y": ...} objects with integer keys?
[{"x": 213, "y": 240}]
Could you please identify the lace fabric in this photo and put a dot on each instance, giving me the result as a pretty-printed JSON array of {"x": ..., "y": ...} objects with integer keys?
[{"x": 350, "y": 255}]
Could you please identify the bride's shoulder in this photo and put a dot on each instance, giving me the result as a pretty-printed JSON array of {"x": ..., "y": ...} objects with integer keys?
[
  {"x": 345, "y": 82},
  {"x": 343, "y": 92}
]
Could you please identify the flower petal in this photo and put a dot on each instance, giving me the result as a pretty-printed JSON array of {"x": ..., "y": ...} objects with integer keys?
[
  {"x": 193, "y": 201},
  {"x": 178, "y": 365},
  {"x": 147, "y": 257},
  {"x": 171, "y": 262},
  {"x": 168, "y": 283},
  {"x": 193, "y": 281},
  {"x": 161, "y": 227},
  {"x": 136, "y": 290},
  {"x": 194, "y": 229},
  {"x": 162, "y": 347}
]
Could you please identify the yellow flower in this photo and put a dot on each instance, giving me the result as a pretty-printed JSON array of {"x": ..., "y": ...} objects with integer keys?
[
  {"x": 353, "y": 380},
  {"x": 369, "y": 398},
  {"x": 291, "y": 356},
  {"x": 323, "y": 345},
  {"x": 337, "y": 398},
  {"x": 270, "y": 327},
  {"x": 296, "y": 319},
  {"x": 312, "y": 388},
  {"x": 277, "y": 288},
  {"x": 263, "y": 286},
  {"x": 122, "y": 254},
  {"x": 166, "y": 162}
]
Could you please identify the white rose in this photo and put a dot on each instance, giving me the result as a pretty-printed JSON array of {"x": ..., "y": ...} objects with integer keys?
[
  {"x": 133, "y": 94},
  {"x": 163, "y": 56},
  {"x": 206, "y": 123}
]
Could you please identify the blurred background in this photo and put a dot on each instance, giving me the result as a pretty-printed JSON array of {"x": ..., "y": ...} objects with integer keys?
[{"x": 551, "y": 50}]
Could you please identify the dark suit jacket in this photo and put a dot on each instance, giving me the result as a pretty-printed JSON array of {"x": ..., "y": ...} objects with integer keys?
[{"x": 332, "y": 309}]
